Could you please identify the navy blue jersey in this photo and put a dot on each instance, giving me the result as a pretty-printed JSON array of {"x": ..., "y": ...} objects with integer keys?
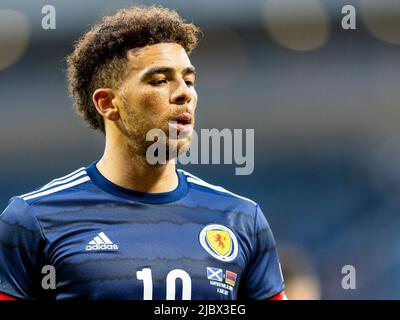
[{"x": 198, "y": 241}]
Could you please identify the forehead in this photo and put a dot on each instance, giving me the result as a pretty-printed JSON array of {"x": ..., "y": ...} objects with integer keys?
[{"x": 158, "y": 55}]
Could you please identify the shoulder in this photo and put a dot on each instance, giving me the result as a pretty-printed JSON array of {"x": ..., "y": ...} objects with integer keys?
[
  {"x": 18, "y": 222},
  {"x": 220, "y": 194},
  {"x": 67, "y": 184}
]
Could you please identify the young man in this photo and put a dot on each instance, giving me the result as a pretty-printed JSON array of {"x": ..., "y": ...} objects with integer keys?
[{"x": 122, "y": 228}]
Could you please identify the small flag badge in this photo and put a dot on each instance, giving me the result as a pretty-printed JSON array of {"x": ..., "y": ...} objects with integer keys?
[{"x": 230, "y": 278}]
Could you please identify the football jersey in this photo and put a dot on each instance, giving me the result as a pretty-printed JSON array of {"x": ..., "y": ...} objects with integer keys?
[{"x": 103, "y": 241}]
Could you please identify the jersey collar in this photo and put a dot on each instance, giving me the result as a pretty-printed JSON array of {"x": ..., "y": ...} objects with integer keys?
[{"x": 152, "y": 198}]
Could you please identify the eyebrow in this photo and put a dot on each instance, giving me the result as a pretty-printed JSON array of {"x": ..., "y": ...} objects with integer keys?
[{"x": 165, "y": 70}]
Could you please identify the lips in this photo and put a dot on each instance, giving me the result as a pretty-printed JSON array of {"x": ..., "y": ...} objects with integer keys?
[
  {"x": 185, "y": 118},
  {"x": 182, "y": 123}
]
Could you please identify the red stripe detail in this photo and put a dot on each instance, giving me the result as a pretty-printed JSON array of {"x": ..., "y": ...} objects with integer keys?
[
  {"x": 278, "y": 296},
  {"x": 6, "y": 297}
]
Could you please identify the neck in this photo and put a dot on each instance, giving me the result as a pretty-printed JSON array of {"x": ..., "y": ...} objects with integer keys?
[{"x": 128, "y": 170}]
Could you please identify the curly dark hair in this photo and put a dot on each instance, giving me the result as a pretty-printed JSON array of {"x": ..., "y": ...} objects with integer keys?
[{"x": 99, "y": 57}]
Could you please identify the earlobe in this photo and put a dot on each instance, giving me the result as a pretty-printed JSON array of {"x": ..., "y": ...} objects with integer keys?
[{"x": 113, "y": 113}]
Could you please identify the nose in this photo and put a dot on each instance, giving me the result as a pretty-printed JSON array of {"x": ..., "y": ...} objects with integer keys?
[{"x": 183, "y": 94}]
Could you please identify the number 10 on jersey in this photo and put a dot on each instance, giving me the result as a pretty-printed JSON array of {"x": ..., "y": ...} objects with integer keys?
[{"x": 147, "y": 278}]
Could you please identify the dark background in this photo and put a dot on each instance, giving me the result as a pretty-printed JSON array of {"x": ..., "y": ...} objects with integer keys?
[{"x": 324, "y": 103}]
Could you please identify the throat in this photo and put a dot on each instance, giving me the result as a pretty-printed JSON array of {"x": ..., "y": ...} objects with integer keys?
[{"x": 147, "y": 179}]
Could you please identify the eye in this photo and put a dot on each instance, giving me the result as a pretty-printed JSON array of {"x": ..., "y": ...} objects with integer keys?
[
  {"x": 158, "y": 82},
  {"x": 189, "y": 83}
]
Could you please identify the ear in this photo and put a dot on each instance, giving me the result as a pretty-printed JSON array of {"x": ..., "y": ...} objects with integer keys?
[{"x": 103, "y": 99}]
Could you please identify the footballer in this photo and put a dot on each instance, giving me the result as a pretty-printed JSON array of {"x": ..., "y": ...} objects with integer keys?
[{"x": 121, "y": 228}]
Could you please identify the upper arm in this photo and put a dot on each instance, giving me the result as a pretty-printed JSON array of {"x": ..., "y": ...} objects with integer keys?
[
  {"x": 263, "y": 276},
  {"x": 21, "y": 242}
]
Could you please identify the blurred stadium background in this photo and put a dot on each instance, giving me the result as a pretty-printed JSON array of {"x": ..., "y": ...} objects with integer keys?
[{"x": 324, "y": 103}]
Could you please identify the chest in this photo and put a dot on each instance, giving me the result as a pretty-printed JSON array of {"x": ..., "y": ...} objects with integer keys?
[{"x": 145, "y": 258}]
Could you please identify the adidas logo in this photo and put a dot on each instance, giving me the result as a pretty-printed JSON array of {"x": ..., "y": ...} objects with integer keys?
[{"x": 101, "y": 242}]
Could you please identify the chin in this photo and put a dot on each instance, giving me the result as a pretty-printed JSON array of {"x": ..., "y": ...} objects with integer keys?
[
  {"x": 183, "y": 145},
  {"x": 178, "y": 147}
]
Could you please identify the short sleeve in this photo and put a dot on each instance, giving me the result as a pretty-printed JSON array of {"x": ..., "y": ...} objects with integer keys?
[
  {"x": 263, "y": 276},
  {"x": 21, "y": 247}
]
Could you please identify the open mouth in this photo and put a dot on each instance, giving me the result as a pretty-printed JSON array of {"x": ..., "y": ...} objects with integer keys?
[
  {"x": 182, "y": 123},
  {"x": 184, "y": 119}
]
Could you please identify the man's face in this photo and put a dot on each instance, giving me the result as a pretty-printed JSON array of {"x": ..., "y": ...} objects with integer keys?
[{"x": 158, "y": 90}]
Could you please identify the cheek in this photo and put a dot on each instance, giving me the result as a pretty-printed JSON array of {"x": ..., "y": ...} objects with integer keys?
[
  {"x": 144, "y": 99},
  {"x": 154, "y": 108},
  {"x": 153, "y": 102},
  {"x": 149, "y": 104},
  {"x": 194, "y": 99}
]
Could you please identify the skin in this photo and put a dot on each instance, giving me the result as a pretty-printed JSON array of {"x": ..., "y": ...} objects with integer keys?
[{"x": 140, "y": 104}]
